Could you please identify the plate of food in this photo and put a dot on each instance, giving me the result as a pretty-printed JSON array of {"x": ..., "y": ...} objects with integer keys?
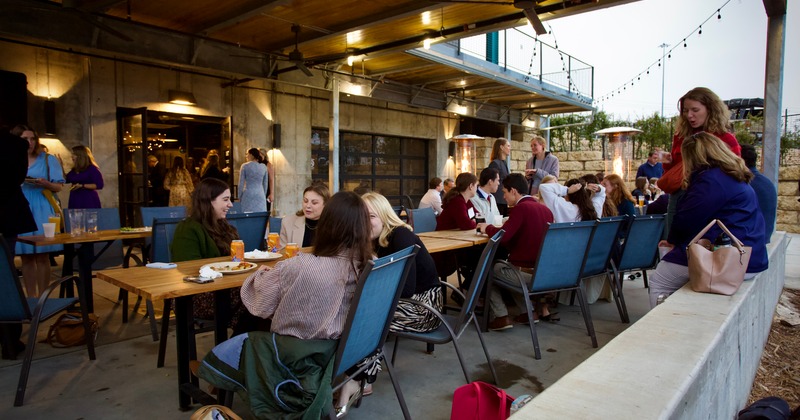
[
  {"x": 135, "y": 229},
  {"x": 230, "y": 267},
  {"x": 257, "y": 255}
]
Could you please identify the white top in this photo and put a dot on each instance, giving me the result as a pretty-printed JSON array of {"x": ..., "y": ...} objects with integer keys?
[
  {"x": 563, "y": 210},
  {"x": 486, "y": 205},
  {"x": 433, "y": 200}
]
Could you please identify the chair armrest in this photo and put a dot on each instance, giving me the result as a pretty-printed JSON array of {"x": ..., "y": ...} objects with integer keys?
[
  {"x": 432, "y": 310},
  {"x": 46, "y": 294},
  {"x": 516, "y": 270},
  {"x": 451, "y": 287}
]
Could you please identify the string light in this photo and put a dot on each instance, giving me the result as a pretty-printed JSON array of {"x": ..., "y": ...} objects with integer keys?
[{"x": 699, "y": 31}]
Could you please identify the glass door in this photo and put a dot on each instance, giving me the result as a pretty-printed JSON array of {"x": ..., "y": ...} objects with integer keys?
[{"x": 132, "y": 161}]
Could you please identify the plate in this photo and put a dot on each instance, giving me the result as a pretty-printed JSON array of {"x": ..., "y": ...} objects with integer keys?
[
  {"x": 270, "y": 256},
  {"x": 230, "y": 267},
  {"x": 136, "y": 230}
]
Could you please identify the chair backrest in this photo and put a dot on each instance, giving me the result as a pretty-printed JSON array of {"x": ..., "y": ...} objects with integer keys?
[
  {"x": 604, "y": 241},
  {"x": 482, "y": 271},
  {"x": 407, "y": 202},
  {"x": 13, "y": 305},
  {"x": 236, "y": 209},
  {"x": 640, "y": 249},
  {"x": 252, "y": 227},
  {"x": 372, "y": 308},
  {"x": 562, "y": 255},
  {"x": 113, "y": 256},
  {"x": 275, "y": 224},
  {"x": 150, "y": 213},
  {"x": 163, "y": 232},
  {"x": 423, "y": 220}
]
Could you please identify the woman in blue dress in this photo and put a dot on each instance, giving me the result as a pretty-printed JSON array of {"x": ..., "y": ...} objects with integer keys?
[
  {"x": 45, "y": 176},
  {"x": 253, "y": 183}
]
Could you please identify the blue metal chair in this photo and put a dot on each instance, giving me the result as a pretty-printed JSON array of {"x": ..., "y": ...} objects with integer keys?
[
  {"x": 558, "y": 268},
  {"x": 15, "y": 308},
  {"x": 163, "y": 232},
  {"x": 452, "y": 327},
  {"x": 423, "y": 220},
  {"x": 251, "y": 227},
  {"x": 639, "y": 252},
  {"x": 275, "y": 224},
  {"x": 378, "y": 290},
  {"x": 112, "y": 255},
  {"x": 151, "y": 213},
  {"x": 236, "y": 209}
]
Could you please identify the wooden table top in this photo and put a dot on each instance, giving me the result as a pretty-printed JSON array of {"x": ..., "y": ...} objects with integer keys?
[
  {"x": 66, "y": 238},
  {"x": 457, "y": 235},
  {"x": 154, "y": 283},
  {"x": 435, "y": 244}
]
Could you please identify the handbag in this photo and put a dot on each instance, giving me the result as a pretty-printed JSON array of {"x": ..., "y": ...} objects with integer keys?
[
  {"x": 672, "y": 180},
  {"x": 68, "y": 330},
  {"x": 214, "y": 412},
  {"x": 718, "y": 271},
  {"x": 480, "y": 401}
]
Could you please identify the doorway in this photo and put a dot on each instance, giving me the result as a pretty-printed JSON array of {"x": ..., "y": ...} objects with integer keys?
[{"x": 143, "y": 132}]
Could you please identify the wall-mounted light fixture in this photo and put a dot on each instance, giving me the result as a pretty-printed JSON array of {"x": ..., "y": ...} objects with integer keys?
[
  {"x": 276, "y": 136},
  {"x": 451, "y": 149},
  {"x": 180, "y": 97},
  {"x": 50, "y": 118}
]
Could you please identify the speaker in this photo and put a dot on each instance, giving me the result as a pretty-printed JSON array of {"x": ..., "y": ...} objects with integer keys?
[
  {"x": 13, "y": 98},
  {"x": 49, "y": 118},
  {"x": 276, "y": 136},
  {"x": 451, "y": 149}
]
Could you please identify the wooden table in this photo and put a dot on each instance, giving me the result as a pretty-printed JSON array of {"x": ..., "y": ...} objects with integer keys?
[
  {"x": 435, "y": 244},
  {"x": 470, "y": 236},
  {"x": 86, "y": 254},
  {"x": 153, "y": 283}
]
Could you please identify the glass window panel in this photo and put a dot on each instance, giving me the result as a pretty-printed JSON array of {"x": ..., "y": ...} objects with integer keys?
[
  {"x": 416, "y": 147},
  {"x": 357, "y": 165},
  {"x": 415, "y": 188},
  {"x": 413, "y": 167},
  {"x": 359, "y": 186},
  {"x": 386, "y": 166},
  {"x": 387, "y": 145},
  {"x": 319, "y": 139},
  {"x": 356, "y": 143},
  {"x": 319, "y": 164},
  {"x": 388, "y": 187}
]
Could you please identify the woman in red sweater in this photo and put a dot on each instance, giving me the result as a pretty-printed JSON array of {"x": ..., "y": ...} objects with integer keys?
[{"x": 457, "y": 210}]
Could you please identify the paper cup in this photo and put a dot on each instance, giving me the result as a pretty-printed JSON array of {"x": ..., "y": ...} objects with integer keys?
[
  {"x": 49, "y": 229},
  {"x": 498, "y": 220}
]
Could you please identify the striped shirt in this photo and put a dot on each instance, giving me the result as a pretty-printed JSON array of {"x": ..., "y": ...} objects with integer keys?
[{"x": 306, "y": 296}]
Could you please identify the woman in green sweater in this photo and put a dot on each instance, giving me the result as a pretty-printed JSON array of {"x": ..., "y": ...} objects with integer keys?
[{"x": 206, "y": 233}]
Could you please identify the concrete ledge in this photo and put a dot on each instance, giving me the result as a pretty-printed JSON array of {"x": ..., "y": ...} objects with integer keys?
[{"x": 692, "y": 357}]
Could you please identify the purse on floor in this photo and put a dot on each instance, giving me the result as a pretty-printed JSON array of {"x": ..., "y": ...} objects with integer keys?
[
  {"x": 720, "y": 270},
  {"x": 480, "y": 401}
]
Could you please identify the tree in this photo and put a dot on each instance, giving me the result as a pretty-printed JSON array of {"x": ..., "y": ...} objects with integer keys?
[{"x": 656, "y": 132}]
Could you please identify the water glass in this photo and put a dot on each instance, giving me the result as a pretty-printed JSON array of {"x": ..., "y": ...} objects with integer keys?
[
  {"x": 90, "y": 216},
  {"x": 76, "y": 225}
]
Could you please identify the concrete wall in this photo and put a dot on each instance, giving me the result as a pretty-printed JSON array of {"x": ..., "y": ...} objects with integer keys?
[{"x": 695, "y": 357}]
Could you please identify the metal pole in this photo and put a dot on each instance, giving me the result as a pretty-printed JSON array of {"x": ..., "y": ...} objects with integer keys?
[{"x": 663, "y": 47}]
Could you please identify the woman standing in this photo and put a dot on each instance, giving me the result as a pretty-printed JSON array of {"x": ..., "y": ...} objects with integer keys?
[
  {"x": 457, "y": 209},
  {"x": 716, "y": 187},
  {"x": 574, "y": 201},
  {"x": 179, "y": 183},
  {"x": 540, "y": 165},
  {"x": 618, "y": 195},
  {"x": 270, "y": 177},
  {"x": 301, "y": 227},
  {"x": 253, "y": 182},
  {"x": 700, "y": 110},
  {"x": 212, "y": 169},
  {"x": 501, "y": 149},
  {"x": 389, "y": 235},
  {"x": 45, "y": 177},
  {"x": 85, "y": 178}
]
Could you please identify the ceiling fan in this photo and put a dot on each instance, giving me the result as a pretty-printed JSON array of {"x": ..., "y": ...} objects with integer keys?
[
  {"x": 527, "y": 7},
  {"x": 296, "y": 57}
]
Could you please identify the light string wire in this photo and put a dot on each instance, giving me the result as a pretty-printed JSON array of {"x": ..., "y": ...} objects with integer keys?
[{"x": 683, "y": 42}]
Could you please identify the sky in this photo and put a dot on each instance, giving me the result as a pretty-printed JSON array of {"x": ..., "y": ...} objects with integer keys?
[{"x": 728, "y": 57}]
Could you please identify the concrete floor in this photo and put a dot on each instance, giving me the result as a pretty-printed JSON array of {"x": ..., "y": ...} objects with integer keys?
[{"x": 123, "y": 383}]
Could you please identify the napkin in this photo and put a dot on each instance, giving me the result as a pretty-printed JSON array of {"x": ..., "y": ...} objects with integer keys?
[
  {"x": 208, "y": 272},
  {"x": 161, "y": 265},
  {"x": 257, "y": 254}
]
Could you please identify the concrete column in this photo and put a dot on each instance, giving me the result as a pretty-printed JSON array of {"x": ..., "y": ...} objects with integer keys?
[
  {"x": 333, "y": 138},
  {"x": 773, "y": 86}
]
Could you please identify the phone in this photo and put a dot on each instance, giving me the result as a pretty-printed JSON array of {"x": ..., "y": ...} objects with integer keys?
[{"x": 198, "y": 279}]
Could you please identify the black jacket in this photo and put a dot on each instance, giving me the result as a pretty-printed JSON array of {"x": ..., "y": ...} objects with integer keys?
[{"x": 15, "y": 212}]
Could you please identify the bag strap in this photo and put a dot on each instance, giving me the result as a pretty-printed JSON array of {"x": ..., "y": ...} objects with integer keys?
[
  {"x": 734, "y": 240},
  {"x": 501, "y": 393}
]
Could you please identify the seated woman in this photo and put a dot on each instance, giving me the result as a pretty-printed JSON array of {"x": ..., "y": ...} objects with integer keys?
[
  {"x": 307, "y": 297},
  {"x": 642, "y": 188},
  {"x": 618, "y": 196},
  {"x": 573, "y": 202},
  {"x": 300, "y": 228},
  {"x": 389, "y": 235},
  {"x": 206, "y": 233},
  {"x": 457, "y": 209},
  {"x": 716, "y": 186}
]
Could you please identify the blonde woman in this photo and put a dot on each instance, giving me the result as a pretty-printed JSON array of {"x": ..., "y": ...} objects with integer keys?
[
  {"x": 541, "y": 165},
  {"x": 179, "y": 183},
  {"x": 85, "y": 178}
]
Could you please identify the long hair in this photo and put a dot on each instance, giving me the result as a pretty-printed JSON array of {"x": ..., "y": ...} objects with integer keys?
[
  {"x": 463, "y": 181},
  {"x": 83, "y": 159},
  {"x": 380, "y": 205},
  {"x": 641, "y": 183},
  {"x": 496, "y": 148},
  {"x": 264, "y": 156},
  {"x": 582, "y": 199},
  {"x": 211, "y": 161},
  {"x": 255, "y": 153},
  {"x": 202, "y": 212},
  {"x": 620, "y": 191},
  {"x": 21, "y": 128},
  {"x": 319, "y": 188},
  {"x": 207, "y": 161},
  {"x": 718, "y": 119},
  {"x": 344, "y": 227},
  {"x": 705, "y": 150},
  {"x": 177, "y": 166}
]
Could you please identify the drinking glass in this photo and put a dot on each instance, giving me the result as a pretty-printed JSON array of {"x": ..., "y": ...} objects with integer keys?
[
  {"x": 54, "y": 218},
  {"x": 49, "y": 229},
  {"x": 91, "y": 221},
  {"x": 75, "y": 222}
]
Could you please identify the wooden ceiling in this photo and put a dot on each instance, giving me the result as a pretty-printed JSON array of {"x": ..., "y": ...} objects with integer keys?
[{"x": 377, "y": 31}]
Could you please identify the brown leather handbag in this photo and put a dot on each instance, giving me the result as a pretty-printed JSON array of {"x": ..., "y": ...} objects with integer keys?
[
  {"x": 672, "y": 180},
  {"x": 720, "y": 270}
]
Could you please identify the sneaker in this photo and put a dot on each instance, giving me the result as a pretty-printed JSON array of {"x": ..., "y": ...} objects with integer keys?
[{"x": 500, "y": 323}]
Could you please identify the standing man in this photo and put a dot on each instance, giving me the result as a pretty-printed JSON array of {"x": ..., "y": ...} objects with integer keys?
[
  {"x": 651, "y": 168},
  {"x": 433, "y": 197},
  {"x": 484, "y": 201},
  {"x": 540, "y": 165},
  {"x": 766, "y": 194},
  {"x": 525, "y": 229},
  {"x": 160, "y": 196}
]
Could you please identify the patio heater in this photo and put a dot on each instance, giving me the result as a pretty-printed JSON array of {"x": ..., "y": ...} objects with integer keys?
[
  {"x": 464, "y": 157},
  {"x": 618, "y": 151}
]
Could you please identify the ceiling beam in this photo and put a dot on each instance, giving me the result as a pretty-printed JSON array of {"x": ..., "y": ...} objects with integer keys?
[
  {"x": 240, "y": 14},
  {"x": 422, "y": 65}
]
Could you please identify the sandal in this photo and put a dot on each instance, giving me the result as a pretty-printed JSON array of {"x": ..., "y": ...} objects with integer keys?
[
  {"x": 551, "y": 317},
  {"x": 342, "y": 411}
]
